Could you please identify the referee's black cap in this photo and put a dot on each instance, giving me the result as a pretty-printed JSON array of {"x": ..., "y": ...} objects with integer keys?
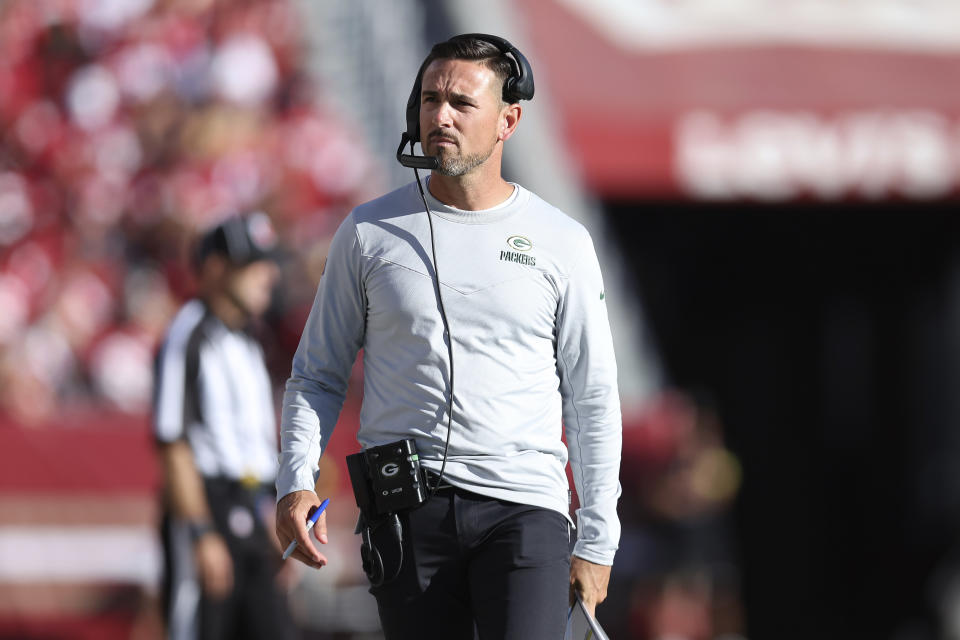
[{"x": 242, "y": 239}]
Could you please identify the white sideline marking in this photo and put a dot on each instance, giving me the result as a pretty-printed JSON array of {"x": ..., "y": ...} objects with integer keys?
[{"x": 80, "y": 554}]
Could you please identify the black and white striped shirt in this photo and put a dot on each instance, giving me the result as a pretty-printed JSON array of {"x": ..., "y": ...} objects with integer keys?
[{"x": 213, "y": 389}]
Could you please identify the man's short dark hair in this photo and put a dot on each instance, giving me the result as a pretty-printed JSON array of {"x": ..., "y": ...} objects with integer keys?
[{"x": 476, "y": 50}]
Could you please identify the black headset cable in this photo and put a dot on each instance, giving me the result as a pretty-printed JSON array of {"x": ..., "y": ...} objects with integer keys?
[{"x": 446, "y": 327}]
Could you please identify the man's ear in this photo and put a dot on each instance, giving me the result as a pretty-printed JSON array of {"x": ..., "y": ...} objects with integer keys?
[{"x": 509, "y": 119}]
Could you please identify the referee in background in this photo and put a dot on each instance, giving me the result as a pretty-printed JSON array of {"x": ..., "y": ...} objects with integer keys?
[{"x": 215, "y": 425}]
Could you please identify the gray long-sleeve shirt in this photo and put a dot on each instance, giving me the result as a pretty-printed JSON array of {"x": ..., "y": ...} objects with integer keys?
[{"x": 523, "y": 293}]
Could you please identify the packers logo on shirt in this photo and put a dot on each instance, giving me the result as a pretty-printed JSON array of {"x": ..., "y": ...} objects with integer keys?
[{"x": 519, "y": 244}]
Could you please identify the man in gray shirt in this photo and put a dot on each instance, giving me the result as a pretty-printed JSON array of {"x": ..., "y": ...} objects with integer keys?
[{"x": 482, "y": 273}]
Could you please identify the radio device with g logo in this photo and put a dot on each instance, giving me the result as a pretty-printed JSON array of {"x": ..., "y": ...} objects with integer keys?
[{"x": 387, "y": 479}]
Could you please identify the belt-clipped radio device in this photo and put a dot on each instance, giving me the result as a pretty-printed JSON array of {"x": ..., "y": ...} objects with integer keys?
[{"x": 387, "y": 479}]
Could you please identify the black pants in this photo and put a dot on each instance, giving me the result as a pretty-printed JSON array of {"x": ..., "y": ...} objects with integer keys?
[
  {"x": 255, "y": 608},
  {"x": 472, "y": 561}
]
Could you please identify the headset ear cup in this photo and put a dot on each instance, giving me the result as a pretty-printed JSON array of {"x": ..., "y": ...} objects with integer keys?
[
  {"x": 413, "y": 105},
  {"x": 413, "y": 114},
  {"x": 520, "y": 85}
]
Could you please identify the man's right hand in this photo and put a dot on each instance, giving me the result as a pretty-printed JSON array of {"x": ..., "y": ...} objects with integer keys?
[{"x": 293, "y": 510}]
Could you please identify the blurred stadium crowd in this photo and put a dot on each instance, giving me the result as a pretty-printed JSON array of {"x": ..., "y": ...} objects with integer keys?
[{"x": 127, "y": 127}]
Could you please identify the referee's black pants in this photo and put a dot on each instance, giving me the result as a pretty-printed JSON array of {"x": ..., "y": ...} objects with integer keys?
[
  {"x": 255, "y": 609},
  {"x": 472, "y": 561}
]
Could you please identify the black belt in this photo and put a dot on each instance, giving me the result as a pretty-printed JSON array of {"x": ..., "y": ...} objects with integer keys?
[
  {"x": 432, "y": 478},
  {"x": 242, "y": 485}
]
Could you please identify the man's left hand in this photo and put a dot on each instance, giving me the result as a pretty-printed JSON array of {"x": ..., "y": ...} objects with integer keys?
[{"x": 590, "y": 580}]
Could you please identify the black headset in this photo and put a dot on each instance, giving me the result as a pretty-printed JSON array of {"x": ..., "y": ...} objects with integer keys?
[{"x": 519, "y": 86}]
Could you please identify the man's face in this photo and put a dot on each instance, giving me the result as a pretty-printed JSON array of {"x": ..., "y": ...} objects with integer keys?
[
  {"x": 460, "y": 112},
  {"x": 252, "y": 285}
]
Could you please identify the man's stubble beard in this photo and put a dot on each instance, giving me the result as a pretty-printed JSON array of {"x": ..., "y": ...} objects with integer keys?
[{"x": 457, "y": 165}]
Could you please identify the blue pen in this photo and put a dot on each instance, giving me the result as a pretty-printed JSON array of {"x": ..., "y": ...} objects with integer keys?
[{"x": 312, "y": 521}]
